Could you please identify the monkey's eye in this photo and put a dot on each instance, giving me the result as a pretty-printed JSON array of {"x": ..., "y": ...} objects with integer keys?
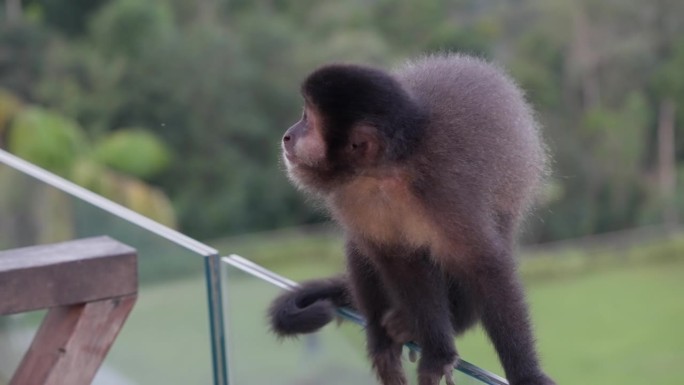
[{"x": 354, "y": 146}]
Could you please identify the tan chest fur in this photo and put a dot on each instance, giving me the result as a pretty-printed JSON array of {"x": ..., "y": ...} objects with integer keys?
[{"x": 383, "y": 210}]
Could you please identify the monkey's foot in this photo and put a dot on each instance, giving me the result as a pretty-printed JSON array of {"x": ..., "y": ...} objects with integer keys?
[
  {"x": 387, "y": 365},
  {"x": 435, "y": 377},
  {"x": 398, "y": 326}
]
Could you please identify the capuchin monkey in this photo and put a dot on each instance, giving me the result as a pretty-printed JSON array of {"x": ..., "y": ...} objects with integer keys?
[{"x": 429, "y": 170}]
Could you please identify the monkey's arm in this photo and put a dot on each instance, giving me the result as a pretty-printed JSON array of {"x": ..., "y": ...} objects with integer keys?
[
  {"x": 371, "y": 297},
  {"x": 420, "y": 291}
]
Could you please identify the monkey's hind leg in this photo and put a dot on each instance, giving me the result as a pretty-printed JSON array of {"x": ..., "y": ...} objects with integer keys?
[{"x": 505, "y": 316}]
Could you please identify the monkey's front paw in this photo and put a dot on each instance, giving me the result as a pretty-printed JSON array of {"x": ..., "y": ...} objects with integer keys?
[
  {"x": 435, "y": 377},
  {"x": 387, "y": 365},
  {"x": 398, "y": 326}
]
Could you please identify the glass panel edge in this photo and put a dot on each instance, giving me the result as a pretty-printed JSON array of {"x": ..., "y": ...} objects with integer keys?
[{"x": 105, "y": 204}]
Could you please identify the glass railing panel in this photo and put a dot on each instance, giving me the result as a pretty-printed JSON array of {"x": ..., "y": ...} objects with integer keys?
[
  {"x": 257, "y": 357},
  {"x": 335, "y": 355},
  {"x": 167, "y": 338},
  {"x": 16, "y": 333}
]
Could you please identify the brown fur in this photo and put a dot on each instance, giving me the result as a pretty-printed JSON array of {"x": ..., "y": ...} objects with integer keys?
[
  {"x": 430, "y": 171},
  {"x": 384, "y": 210}
]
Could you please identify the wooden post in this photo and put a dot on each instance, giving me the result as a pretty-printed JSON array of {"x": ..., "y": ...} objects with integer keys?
[{"x": 90, "y": 287}]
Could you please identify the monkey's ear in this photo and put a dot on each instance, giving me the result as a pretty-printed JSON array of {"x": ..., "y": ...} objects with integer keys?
[{"x": 364, "y": 143}]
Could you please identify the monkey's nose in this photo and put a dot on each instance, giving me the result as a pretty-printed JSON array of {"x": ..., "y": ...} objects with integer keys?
[{"x": 288, "y": 144}]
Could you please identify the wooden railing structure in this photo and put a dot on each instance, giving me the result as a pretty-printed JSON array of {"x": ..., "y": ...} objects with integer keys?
[{"x": 89, "y": 287}]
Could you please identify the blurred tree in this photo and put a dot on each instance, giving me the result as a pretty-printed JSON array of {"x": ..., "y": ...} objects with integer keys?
[
  {"x": 125, "y": 28},
  {"x": 67, "y": 16},
  {"x": 436, "y": 25},
  {"x": 218, "y": 80},
  {"x": 10, "y": 105},
  {"x": 22, "y": 56},
  {"x": 58, "y": 144},
  {"x": 223, "y": 115},
  {"x": 47, "y": 139},
  {"x": 13, "y": 11},
  {"x": 668, "y": 83},
  {"x": 134, "y": 152}
]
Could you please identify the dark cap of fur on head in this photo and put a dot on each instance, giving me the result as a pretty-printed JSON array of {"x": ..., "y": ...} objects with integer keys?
[{"x": 347, "y": 94}]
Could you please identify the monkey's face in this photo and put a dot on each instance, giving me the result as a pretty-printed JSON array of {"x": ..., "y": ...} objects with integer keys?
[
  {"x": 320, "y": 155},
  {"x": 303, "y": 143},
  {"x": 304, "y": 150}
]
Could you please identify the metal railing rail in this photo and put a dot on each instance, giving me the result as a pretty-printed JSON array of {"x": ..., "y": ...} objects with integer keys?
[
  {"x": 105, "y": 204},
  {"x": 264, "y": 274},
  {"x": 211, "y": 255}
]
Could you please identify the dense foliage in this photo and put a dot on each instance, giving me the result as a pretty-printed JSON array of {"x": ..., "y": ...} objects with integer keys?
[{"x": 217, "y": 81}]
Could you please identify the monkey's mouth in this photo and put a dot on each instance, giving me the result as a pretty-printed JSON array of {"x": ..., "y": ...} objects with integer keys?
[{"x": 290, "y": 159}]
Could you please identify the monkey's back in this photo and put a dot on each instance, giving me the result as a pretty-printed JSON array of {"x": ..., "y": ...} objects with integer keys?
[{"x": 482, "y": 144}]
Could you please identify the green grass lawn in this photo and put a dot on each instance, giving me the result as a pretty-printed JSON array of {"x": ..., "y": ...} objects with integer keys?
[
  {"x": 166, "y": 338},
  {"x": 599, "y": 320},
  {"x": 605, "y": 318},
  {"x": 614, "y": 327},
  {"x": 622, "y": 326}
]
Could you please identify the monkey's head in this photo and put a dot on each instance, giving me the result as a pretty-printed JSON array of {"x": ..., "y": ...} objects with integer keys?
[{"x": 356, "y": 120}]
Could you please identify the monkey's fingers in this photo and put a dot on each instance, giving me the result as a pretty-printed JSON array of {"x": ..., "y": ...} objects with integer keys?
[
  {"x": 387, "y": 365},
  {"x": 448, "y": 376},
  {"x": 396, "y": 325},
  {"x": 435, "y": 378}
]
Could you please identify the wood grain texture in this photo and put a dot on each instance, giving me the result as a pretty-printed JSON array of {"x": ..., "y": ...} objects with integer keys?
[
  {"x": 66, "y": 273},
  {"x": 72, "y": 343},
  {"x": 89, "y": 286}
]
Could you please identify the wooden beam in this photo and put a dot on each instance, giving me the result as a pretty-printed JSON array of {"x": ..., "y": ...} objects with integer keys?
[
  {"x": 89, "y": 286},
  {"x": 72, "y": 342},
  {"x": 66, "y": 273}
]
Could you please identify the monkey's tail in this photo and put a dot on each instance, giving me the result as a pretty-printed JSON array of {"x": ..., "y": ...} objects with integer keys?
[{"x": 308, "y": 307}]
